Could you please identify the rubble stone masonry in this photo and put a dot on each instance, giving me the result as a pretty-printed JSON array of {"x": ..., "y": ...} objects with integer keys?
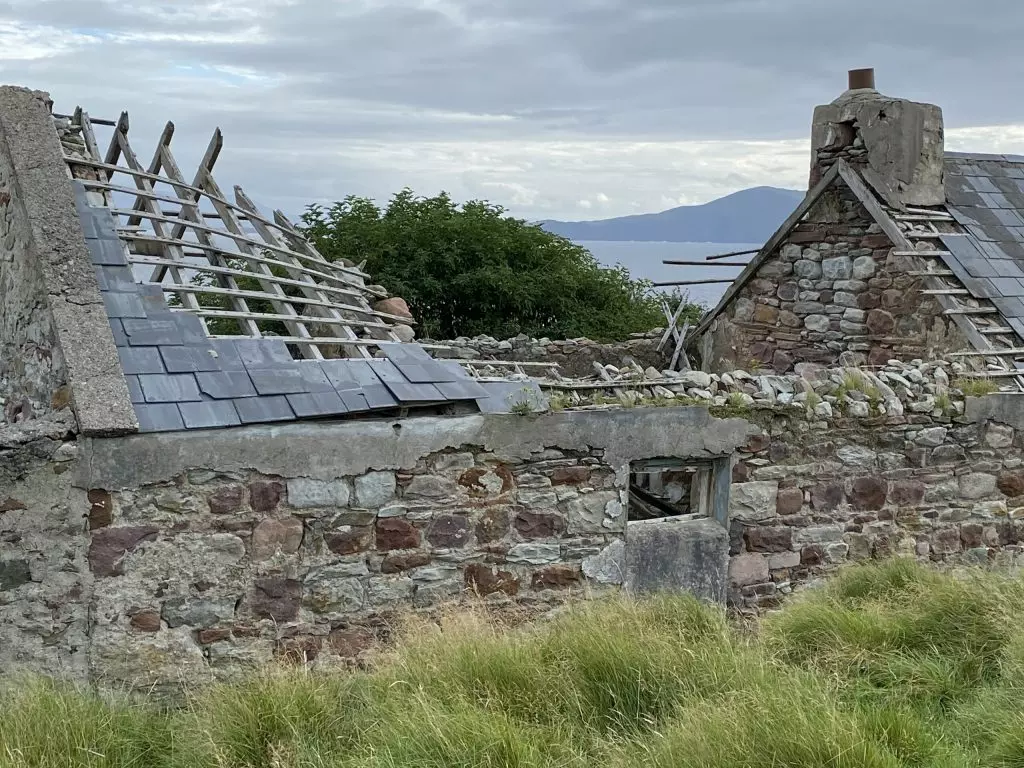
[{"x": 833, "y": 293}]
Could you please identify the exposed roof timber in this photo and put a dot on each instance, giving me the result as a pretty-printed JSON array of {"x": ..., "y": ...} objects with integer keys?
[{"x": 773, "y": 242}]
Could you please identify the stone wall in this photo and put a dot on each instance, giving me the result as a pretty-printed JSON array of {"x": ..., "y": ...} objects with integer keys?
[
  {"x": 151, "y": 561},
  {"x": 31, "y": 363},
  {"x": 833, "y": 293},
  {"x": 848, "y": 478},
  {"x": 575, "y": 357},
  {"x": 44, "y": 576}
]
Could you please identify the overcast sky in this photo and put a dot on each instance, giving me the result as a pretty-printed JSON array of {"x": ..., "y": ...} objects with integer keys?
[{"x": 553, "y": 108}]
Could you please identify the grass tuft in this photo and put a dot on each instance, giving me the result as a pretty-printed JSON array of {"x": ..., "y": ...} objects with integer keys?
[{"x": 887, "y": 666}]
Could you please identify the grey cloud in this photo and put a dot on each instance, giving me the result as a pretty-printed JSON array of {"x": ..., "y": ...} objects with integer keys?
[{"x": 320, "y": 77}]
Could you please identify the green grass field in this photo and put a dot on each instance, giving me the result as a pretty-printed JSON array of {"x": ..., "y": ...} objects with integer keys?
[{"x": 891, "y": 665}]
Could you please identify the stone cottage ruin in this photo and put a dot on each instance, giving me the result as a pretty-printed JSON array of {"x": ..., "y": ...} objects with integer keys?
[{"x": 219, "y": 449}]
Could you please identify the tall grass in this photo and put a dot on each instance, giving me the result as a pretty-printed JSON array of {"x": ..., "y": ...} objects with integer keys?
[{"x": 887, "y": 666}]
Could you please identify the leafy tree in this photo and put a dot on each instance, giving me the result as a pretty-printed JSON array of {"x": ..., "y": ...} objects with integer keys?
[{"x": 470, "y": 269}]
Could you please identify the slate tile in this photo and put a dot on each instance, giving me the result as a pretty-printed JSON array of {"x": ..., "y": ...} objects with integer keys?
[
  {"x": 461, "y": 390},
  {"x": 135, "y": 389},
  {"x": 193, "y": 331},
  {"x": 315, "y": 404},
  {"x": 404, "y": 390},
  {"x": 277, "y": 381},
  {"x": 979, "y": 267},
  {"x": 228, "y": 358},
  {"x": 1007, "y": 286},
  {"x": 981, "y": 288},
  {"x": 120, "y": 338},
  {"x": 981, "y": 233},
  {"x": 120, "y": 304},
  {"x": 505, "y": 395},
  {"x": 155, "y": 302},
  {"x": 983, "y": 184},
  {"x": 116, "y": 278},
  {"x": 106, "y": 253},
  {"x": 159, "y": 418},
  {"x": 313, "y": 374},
  {"x": 355, "y": 401},
  {"x": 188, "y": 359},
  {"x": 170, "y": 388},
  {"x": 263, "y": 353},
  {"x": 1017, "y": 324},
  {"x": 1008, "y": 307},
  {"x": 962, "y": 247},
  {"x": 340, "y": 375},
  {"x": 226, "y": 385},
  {"x": 149, "y": 333},
  {"x": 377, "y": 395},
  {"x": 1007, "y": 268},
  {"x": 140, "y": 360},
  {"x": 254, "y": 410},
  {"x": 209, "y": 414},
  {"x": 98, "y": 223},
  {"x": 405, "y": 354}
]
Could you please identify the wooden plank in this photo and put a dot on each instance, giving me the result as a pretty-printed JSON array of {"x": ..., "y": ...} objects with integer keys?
[
  {"x": 290, "y": 318},
  {"x": 173, "y": 252},
  {"x": 946, "y": 292},
  {"x": 212, "y": 269},
  {"x": 329, "y": 340},
  {"x": 285, "y": 312},
  {"x": 311, "y": 289},
  {"x": 996, "y": 331},
  {"x": 932, "y": 273},
  {"x": 498, "y": 363},
  {"x": 156, "y": 178},
  {"x": 240, "y": 239},
  {"x": 89, "y": 137},
  {"x": 971, "y": 311},
  {"x": 685, "y": 263},
  {"x": 209, "y": 247},
  {"x": 989, "y": 353},
  {"x": 201, "y": 289},
  {"x": 679, "y": 350},
  {"x": 690, "y": 282},
  {"x": 903, "y": 245},
  {"x": 718, "y": 256},
  {"x": 165, "y": 159},
  {"x": 154, "y": 165},
  {"x": 774, "y": 241},
  {"x": 926, "y": 254},
  {"x": 936, "y": 217}
]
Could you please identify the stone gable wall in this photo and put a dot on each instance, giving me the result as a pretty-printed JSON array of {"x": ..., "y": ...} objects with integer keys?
[{"x": 832, "y": 294}]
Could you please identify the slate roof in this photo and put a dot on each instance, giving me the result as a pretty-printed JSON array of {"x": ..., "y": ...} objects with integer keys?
[
  {"x": 985, "y": 195},
  {"x": 179, "y": 378}
]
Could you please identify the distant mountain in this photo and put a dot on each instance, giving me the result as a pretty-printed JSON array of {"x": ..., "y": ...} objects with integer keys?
[{"x": 748, "y": 216}]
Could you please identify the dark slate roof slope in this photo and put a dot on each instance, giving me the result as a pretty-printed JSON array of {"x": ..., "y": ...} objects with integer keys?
[
  {"x": 179, "y": 378},
  {"x": 985, "y": 195}
]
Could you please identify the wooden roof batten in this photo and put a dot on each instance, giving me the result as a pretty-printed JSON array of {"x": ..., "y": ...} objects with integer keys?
[{"x": 325, "y": 307}]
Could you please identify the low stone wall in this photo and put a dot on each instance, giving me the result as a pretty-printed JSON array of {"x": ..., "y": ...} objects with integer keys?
[
  {"x": 154, "y": 561},
  {"x": 575, "y": 357}
]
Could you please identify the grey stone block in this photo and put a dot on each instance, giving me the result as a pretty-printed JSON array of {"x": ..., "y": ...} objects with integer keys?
[
  {"x": 107, "y": 253},
  {"x": 277, "y": 381},
  {"x": 314, "y": 404},
  {"x": 209, "y": 414},
  {"x": 150, "y": 333},
  {"x": 678, "y": 556},
  {"x": 120, "y": 304},
  {"x": 159, "y": 418},
  {"x": 140, "y": 360},
  {"x": 169, "y": 388},
  {"x": 226, "y": 385},
  {"x": 253, "y": 410}
]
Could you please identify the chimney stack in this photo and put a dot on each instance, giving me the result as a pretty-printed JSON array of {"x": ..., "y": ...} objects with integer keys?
[{"x": 897, "y": 144}]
